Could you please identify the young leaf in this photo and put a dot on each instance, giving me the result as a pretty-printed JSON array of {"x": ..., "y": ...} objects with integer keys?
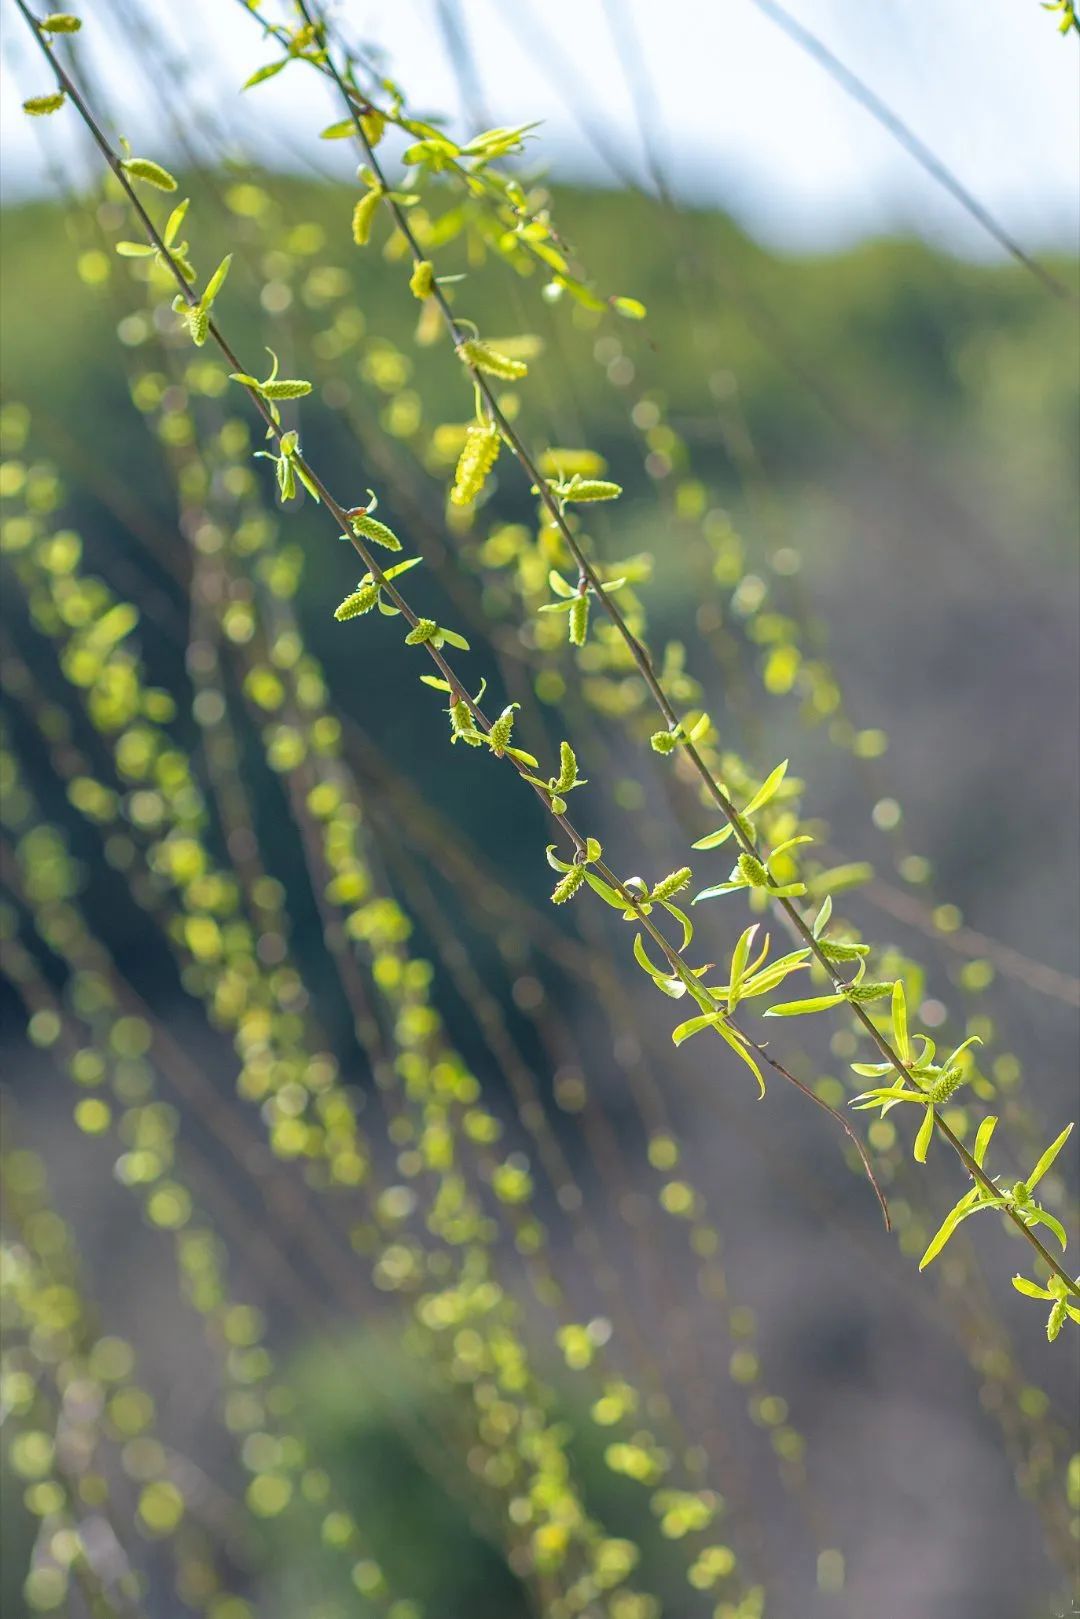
[
  {"x": 821, "y": 920},
  {"x": 1031, "y": 1289},
  {"x": 694, "y": 1026},
  {"x": 767, "y": 789},
  {"x": 901, "y": 1038},
  {"x": 606, "y": 892},
  {"x": 739, "y": 1048},
  {"x": 261, "y": 74},
  {"x": 982, "y": 1138},
  {"x": 817, "y": 1003},
  {"x": 925, "y": 1136},
  {"x": 1048, "y": 1158}
]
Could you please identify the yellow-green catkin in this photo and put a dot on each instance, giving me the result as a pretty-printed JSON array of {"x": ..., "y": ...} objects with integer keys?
[
  {"x": 41, "y": 106},
  {"x": 372, "y": 529},
  {"x": 422, "y": 280},
  {"x": 424, "y": 630},
  {"x": 361, "y": 601},
  {"x": 753, "y": 871},
  {"x": 583, "y": 489},
  {"x": 364, "y": 215},
  {"x": 478, "y": 455},
  {"x": 482, "y": 357},
  {"x": 568, "y": 886}
]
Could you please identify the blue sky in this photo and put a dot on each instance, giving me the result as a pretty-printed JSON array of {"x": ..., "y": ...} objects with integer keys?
[{"x": 741, "y": 116}]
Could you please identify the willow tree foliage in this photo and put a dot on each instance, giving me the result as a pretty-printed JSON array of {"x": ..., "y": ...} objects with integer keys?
[{"x": 439, "y": 1199}]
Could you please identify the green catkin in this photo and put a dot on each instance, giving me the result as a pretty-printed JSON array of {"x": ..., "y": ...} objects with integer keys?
[
  {"x": 424, "y": 630},
  {"x": 754, "y": 872},
  {"x": 422, "y": 280},
  {"x": 478, "y": 455},
  {"x": 361, "y": 601},
  {"x": 591, "y": 489},
  {"x": 461, "y": 724},
  {"x": 579, "y": 621},
  {"x": 482, "y": 357},
  {"x": 364, "y": 215},
  {"x": 568, "y": 768},
  {"x": 60, "y": 22},
  {"x": 41, "y": 106},
  {"x": 372, "y": 529},
  {"x": 197, "y": 321},
  {"x": 142, "y": 168},
  {"x": 671, "y": 884},
  {"x": 568, "y": 886},
  {"x": 868, "y": 992},
  {"x": 285, "y": 388},
  {"x": 663, "y": 742},
  {"x": 945, "y": 1084},
  {"x": 499, "y": 735},
  {"x": 838, "y": 950}
]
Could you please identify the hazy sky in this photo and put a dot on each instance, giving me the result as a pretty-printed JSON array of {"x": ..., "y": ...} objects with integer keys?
[{"x": 738, "y": 113}]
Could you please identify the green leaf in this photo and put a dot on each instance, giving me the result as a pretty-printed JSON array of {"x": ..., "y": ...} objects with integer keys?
[
  {"x": 759, "y": 983},
  {"x": 958, "y": 1213},
  {"x": 694, "y": 1025},
  {"x": 738, "y": 1047},
  {"x": 1031, "y": 1289},
  {"x": 664, "y": 981},
  {"x": 261, "y": 74},
  {"x": 821, "y": 921},
  {"x": 925, "y": 1136},
  {"x": 682, "y": 918},
  {"x": 841, "y": 878},
  {"x": 1036, "y": 1216},
  {"x": 629, "y": 308},
  {"x": 606, "y": 893},
  {"x": 982, "y": 1138},
  {"x": 174, "y": 221},
  {"x": 216, "y": 282},
  {"x": 338, "y": 132},
  {"x": 818, "y": 1003},
  {"x": 1048, "y": 1158},
  {"x": 739, "y": 958},
  {"x": 720, "y": 888},
  {"x": 714, "y": 839},
  {"x": 767, "y": 789},
  {"x": 901, "y": 1038}
]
